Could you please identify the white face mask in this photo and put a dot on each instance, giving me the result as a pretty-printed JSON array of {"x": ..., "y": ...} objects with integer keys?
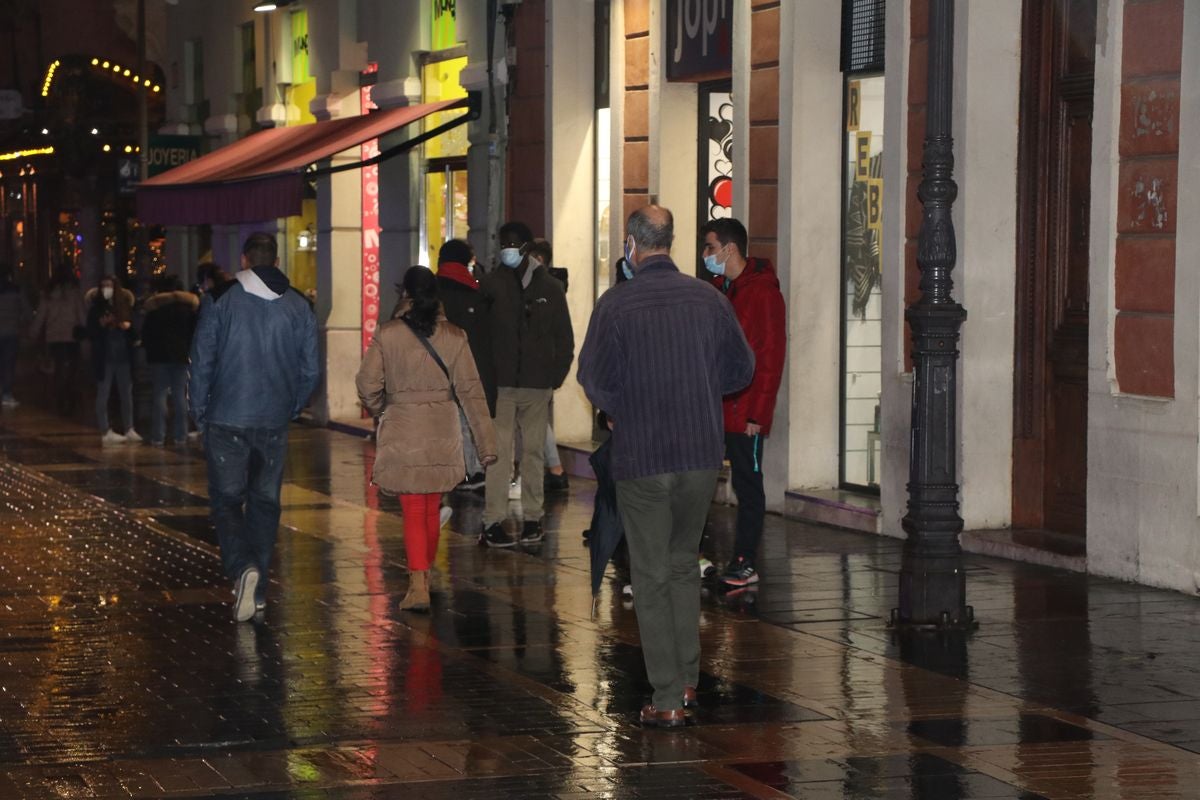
[
  {"x": 107, "y": 292},
  {"x": 511, "y": 257}
]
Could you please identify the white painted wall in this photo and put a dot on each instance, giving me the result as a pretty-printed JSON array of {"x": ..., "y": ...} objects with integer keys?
[
  {"x": 1142, "y": 452},
  {"x": 803, "y": 447},
  {"x": 896, "y": 384},
  {"x": 987, "y": 73},
  {"x": 570, "y": 178},
  {"x": 987, "y": 65}
]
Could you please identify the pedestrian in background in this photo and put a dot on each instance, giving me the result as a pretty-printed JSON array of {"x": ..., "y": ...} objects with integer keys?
[
  {"x": 532, "y": 346},
  {"x": 254, "y": 366},
  {"x": 661, "y": 351},
  {"x": 110, "y": 329},
  {"x": 753, "y": 289},
  {"x": 458, "y": 291},
  {"x": 170, "y": 321},
  {"x": 555, "y": 480},
  {"x": 15, "y": 315},
  {"x": 417, "y": 377},
  {"x": 61, "y": 324}
]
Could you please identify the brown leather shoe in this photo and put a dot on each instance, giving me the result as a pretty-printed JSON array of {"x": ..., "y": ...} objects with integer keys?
[
  {"x": 672, "y": 718},
  {"x": 689, "y": 697}
]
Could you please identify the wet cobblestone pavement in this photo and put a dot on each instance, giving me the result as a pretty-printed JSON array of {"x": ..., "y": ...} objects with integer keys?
[{"x": 122, "y": 674}]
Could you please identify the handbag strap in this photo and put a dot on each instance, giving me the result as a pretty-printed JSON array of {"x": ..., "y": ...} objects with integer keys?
[{"x": 424, "y": 340}]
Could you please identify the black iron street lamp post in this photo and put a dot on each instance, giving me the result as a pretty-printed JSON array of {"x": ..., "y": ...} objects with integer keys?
[{"x": 932, "y": 582}]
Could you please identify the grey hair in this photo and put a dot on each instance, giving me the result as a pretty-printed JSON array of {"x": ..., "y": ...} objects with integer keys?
[{"x": 649, "y": 235}]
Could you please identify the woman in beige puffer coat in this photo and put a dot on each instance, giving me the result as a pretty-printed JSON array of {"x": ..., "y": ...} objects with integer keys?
[{"x": 419, "y": 452}]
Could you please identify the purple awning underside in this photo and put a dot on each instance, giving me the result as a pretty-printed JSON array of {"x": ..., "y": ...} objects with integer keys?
[
  {"x": 261, "y": 177},
  {"x": 252, "y": 200}
]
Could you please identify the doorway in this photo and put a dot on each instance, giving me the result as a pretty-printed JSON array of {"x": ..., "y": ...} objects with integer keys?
[{"x": 1053, "y": 202}]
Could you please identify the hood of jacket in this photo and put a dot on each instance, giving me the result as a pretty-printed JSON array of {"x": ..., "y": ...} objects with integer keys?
[
  {"x": 163, "y": 299},
  {"x": 759, "y": 273},
  {"x": 269, "y": 283},
  {"x": 459, "y": 273}
]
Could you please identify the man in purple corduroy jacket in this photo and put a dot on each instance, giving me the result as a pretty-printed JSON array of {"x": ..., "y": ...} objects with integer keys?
[{"x": 661, "y": 351}]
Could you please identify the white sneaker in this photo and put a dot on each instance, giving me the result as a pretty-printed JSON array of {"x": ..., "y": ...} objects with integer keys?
[
  {"x": 132, "y": 436},
  {"x": 445, "y": 514},
  {"x": 243, "y": 594},
  {"x": 514, "y": 490},
  {"x": 9, "y": 401},
  {"x": 112, "y": 437},
  {"x": 707, "y": 568},
  {"x": 627, "y": 590},
  {"x": 193, "y": 434}
]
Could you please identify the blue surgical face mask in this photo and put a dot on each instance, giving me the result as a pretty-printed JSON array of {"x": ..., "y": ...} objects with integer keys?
[
  {"x": 711, "y": 264},
  {"x": 511, "y": 257},
  {"x": 625, "y": 268}
]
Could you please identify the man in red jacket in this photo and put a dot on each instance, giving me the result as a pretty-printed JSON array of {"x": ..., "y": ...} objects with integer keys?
[{"x": 753, "y": 288}]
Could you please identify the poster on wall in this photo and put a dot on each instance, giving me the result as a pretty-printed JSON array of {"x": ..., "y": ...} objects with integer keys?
[
  {"x": 718, "y": 135},
  {"x": 370, "y": 226}
]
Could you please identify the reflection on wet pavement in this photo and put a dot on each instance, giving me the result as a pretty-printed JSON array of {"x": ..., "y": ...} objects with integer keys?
[{"x": 121, "y": 673}]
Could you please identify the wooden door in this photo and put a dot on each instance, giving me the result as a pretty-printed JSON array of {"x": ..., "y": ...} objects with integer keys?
[{"x": 1054, "y": 171}]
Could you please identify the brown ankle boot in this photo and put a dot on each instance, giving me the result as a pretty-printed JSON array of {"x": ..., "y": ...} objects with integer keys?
[{"x": 417, "y": 598}]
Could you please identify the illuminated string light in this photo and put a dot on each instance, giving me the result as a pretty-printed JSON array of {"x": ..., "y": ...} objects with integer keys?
[
  {"x": 95, "y": 62},
  {"x": 46, "y": 83},
  {"x": 39, "y": 151},
  {"x": 157, "y": 88},
  {"x": 105, "y": 65},
  {"x": 125, "y": 73},
  {"x": 107, "y": 148},
  {"x": 128, "y": 148}
]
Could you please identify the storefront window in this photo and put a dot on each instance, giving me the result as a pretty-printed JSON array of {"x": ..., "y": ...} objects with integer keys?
[
  {"x": 445, "y": 207},
  {"x": 861, "y": 295}
]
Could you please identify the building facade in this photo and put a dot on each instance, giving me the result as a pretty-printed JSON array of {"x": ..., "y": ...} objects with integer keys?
[{"x": 1076, "y": 139}]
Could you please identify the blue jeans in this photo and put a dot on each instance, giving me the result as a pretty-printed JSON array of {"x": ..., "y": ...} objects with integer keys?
[
  {"x": 120, "y": 374},
  {"x": 169, "y": 378},
  {"x": 245, "y": 474}
]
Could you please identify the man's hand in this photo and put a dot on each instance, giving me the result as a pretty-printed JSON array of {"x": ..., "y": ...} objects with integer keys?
[
  {"x": 487, "y": 461},
  {"x": 753, "y": 429}
]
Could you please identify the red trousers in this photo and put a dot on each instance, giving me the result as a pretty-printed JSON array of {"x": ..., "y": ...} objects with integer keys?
[{"x": 422, "y": 524}]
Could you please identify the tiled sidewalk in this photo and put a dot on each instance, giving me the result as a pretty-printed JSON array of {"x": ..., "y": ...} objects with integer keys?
[{"x": 122, "y": 674}]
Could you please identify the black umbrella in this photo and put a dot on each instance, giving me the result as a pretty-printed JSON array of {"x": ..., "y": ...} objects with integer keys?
[{"x": 607, "y": 529}]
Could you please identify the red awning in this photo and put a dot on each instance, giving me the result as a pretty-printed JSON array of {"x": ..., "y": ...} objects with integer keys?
[{"x": 261, "y": 177}]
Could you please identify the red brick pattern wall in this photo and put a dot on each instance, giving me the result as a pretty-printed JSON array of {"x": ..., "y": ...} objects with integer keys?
[
  {"x": 526, "y": 184},
  {"x": 918, "y": 58},
  {"x": 635, "y": 177},
  {"x": 763, "y": 113},
  {"x": 1147, "y": 202}
]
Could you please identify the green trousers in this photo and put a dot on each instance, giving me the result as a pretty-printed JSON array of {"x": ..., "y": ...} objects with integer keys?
[{"x": 664, "y": 519}]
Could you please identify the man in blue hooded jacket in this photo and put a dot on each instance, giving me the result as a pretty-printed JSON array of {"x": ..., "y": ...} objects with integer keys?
[{"x": 253, "y": 367}]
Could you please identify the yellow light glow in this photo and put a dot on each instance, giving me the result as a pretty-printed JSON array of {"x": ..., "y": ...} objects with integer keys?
[
  {"x": 105, "y": 65},
  {"x": 49, "y": 79},
  {"x": 147, "y": 81},
  {"x": 95, "y": 61},
  {"x": 116, "y": 67},
  {"x": 157, "y": 88},
  {"x": 107, "y": 148},
  {"x": 137, "y": 79},
  {"x": 128, "y": 148},
  {"x": 40, "y": 151},
  {"x": 125, "y": 73}
]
